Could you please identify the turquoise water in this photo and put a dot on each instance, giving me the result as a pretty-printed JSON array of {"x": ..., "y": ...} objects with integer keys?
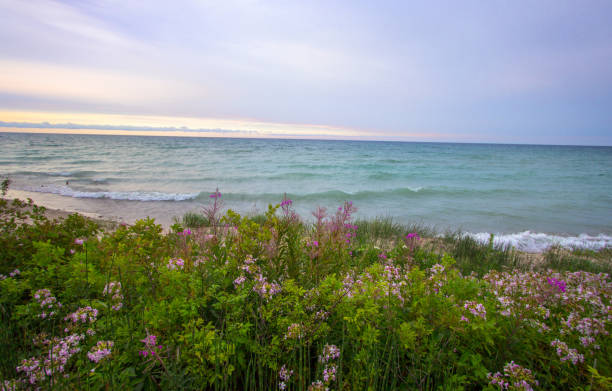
[{"x": 516, "y": 191}]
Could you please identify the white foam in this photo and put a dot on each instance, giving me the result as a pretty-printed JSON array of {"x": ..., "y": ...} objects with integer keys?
[
  {"x": 537, "y": 242},
  {"x": 115, "y": 195}
]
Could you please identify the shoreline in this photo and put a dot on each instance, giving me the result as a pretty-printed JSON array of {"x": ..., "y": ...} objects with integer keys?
[{"x": 128, "y": 212}]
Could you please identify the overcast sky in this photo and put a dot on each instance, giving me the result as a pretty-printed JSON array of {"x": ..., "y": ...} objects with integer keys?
[{"x": 469, "y": 71}]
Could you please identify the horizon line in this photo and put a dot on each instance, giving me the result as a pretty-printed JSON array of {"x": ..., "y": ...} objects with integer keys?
[{"x": 89, "y": 130}]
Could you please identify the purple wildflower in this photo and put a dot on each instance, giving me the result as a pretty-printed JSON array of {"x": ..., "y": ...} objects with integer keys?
[{"x": 101, "y": 351}]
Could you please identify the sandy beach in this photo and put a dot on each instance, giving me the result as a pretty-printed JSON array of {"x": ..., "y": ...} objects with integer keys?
[{"x": 120, "y": 211}]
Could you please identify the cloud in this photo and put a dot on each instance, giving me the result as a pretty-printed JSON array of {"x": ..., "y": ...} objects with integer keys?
[{"x": 47, "y": 125}]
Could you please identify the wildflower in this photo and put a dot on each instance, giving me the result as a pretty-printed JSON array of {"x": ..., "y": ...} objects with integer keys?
[
  {"x": 175, "y": 263},
  {"x": 14, "y": 273},
  {"x": 476, "y": 309},
  {"x": 413, "y": 235},
  {"x": 60, "y": 350},
  {"x": 559, "y": 284},
  {"x": 565, "y": 353},
  {"x": 150, "y": 340},
  {"x": 330, "y": 352},
  {"x": 286, "y": 202},
  {"x": 216, "y": 194},
  {"x": 436, "y": 269},
  {"x": 185, "y": 232},
  {"x": 113, "y": 289},
  {"x": 78, "y": 242},
  {"x": 48, "y": 303},
  {"x": 239, "y": 281},
  {"x": 83, "y": 315},
  {"x": 264, "y": 288},
  {"x": 329, "y": 373},
  {"x": 151, "y": 346},
  {"x": 101, "y": 351},
  {"x": 515, "y": 377},
  {"x": 284, "y": 375}
]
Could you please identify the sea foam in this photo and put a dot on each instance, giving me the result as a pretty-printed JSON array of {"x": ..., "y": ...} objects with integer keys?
[
  {"x": 537, "y": 242},
  {"x": 115, "y": 195}
]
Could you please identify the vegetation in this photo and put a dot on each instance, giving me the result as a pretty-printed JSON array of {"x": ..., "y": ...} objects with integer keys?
[{"x": 273, "y": 303}]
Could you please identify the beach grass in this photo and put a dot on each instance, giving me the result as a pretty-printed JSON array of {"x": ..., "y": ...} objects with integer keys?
[{"x": 193, "y": 220}]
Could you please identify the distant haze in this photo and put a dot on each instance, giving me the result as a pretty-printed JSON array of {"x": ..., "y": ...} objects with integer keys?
[{"x": 536, "y": 72}]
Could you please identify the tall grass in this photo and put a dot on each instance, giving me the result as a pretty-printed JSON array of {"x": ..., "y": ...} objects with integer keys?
[
  {"x": 194, "y": 220},
  {"x": 585, "y": 260},
  {"x": 384, "y": 228},
  {"x": 474, "y": 256}
]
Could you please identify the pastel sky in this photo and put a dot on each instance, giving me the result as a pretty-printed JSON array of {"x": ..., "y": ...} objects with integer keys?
[{"x": 467, "y": 71}]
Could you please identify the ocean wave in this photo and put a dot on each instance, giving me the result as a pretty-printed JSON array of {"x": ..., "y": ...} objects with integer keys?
[
  {"x": 76, "y": 174},
  {"x": 115, "y": 195},
  {"x": 534, "y": 242}
]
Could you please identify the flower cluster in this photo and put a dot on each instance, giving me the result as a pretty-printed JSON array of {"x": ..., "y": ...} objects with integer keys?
[
  {"x": 59, "y": 351},
  {"x": 175, "y": 263},
  {"x": 437, "y": 276},
  {"x": 185, "y": 232},
  {"x": 412, "y": 239},
  {"x": 266, "y": 290},
  {"x": 395, "y": 281},
  {"x": 14, "y": 273},
  {"x": 565, "y": 353},
  {"x": 113, "y": 290},
  {"x": 336, "y": 230},
  {"x": 284, "y": 376},
  {"x": 83, "y": 315},
  {"x": 48, "y": 303},
  {"x": 330, "y": 353},
  {"x": 239, "y": 281},
  {"x": 329, "y": 373},
  {"x": 515, "y": 377},
  {"x": 559, "y": 284},
  {"x": 151, "y": 347},
  {"x": 541, "y": 300},
  {"x": 100, "y": 352},
  {"x": 476, "y": 309},
  {"x": 288, "y": 214}
]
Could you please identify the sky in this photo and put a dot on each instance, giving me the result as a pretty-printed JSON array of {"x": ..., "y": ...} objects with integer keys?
[{"x": 537, "y": 72}]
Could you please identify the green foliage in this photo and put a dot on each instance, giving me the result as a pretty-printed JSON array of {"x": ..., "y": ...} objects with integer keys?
[{"x": 234, "y": 307}]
